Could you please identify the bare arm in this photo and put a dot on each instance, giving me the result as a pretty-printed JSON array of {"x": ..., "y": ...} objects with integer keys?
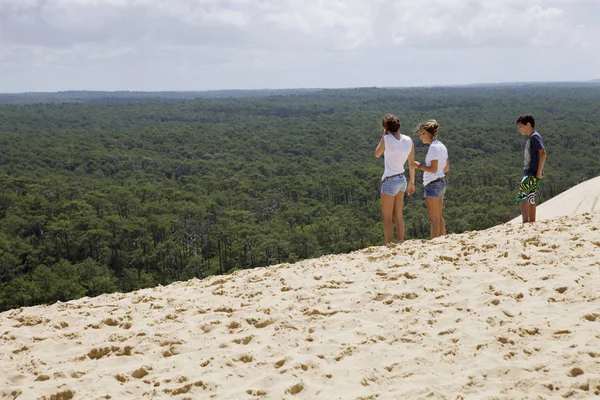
[
  {"x": 380, "y": 148},
  {"x": 411, "y": 169},
  {"x": 411, "y": 164},
  {"x": 432, "y": 168},
  {"x": 541, "y": 163},
  {"x": 447, "y": 167}
]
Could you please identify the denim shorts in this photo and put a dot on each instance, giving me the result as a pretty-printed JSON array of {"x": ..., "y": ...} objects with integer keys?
[
  {"x": 393, "y": 186},
  {"x": 435, "y": 190}
]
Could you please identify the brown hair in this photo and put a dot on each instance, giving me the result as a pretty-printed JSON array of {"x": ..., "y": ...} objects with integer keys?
[
  {"x": 391, "y": 123},
  {"x": 431, "y": 127},
  {"x": 526, "y": 119}
]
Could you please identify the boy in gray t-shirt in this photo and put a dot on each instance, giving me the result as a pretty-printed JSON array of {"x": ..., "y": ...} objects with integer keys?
[{"x": 534, "y": 159}]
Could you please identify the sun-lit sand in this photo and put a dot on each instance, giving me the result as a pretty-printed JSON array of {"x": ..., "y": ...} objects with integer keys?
[{"x": 510, "y": 312}]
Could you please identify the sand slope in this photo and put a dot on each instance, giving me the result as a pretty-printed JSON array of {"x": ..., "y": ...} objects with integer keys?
[{"x": 511, "y": 312}]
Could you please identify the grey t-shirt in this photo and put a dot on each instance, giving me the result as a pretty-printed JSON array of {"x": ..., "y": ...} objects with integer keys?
[{"x": 531, "y": 155}]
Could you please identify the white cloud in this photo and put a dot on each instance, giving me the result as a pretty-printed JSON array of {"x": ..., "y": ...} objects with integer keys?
[
  {"x": 355, "y": 23},
  {"x": 262, "y": 36}
]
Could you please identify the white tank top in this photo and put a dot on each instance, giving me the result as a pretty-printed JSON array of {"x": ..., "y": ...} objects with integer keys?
[{"x": 395, "y": 154}]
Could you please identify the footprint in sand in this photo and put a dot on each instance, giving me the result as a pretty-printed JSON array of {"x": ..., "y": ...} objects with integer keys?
[{"x": 297, "y": 388}]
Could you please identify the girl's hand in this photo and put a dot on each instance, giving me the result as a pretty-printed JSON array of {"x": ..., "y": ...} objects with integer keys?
[
  {"x": 417, "y": 164},
  {"x": 411, "y": 188}
]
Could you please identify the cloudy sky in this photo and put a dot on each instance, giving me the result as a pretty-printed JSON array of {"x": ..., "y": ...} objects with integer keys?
[{"x": 51, "y": 45}]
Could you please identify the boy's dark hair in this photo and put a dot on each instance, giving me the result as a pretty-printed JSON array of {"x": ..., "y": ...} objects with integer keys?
[
  {"x": 526, "y": 119},
  {"x": 391, "y": 123}
]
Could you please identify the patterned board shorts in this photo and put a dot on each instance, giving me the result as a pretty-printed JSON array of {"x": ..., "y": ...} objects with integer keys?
[{"x": 528, "y": 189}]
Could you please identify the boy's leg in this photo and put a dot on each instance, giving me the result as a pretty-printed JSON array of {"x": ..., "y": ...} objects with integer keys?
[
  {"x": 532, "y": 213},
  {"x": 532, "y": 197},
  {"x": 526, "y": 198},
  {"x": 524, "y": 211}
]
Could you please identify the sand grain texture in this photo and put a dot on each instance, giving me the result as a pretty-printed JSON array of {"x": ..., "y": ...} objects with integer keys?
[{"x": 510, "y": 312}]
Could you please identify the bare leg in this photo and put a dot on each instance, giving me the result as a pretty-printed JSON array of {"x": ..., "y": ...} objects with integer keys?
[
  {"x": 442, "y": 220},
  {"x": 524, "y": 211},
  {"x": 531, "y": 212},
  {"x": 387, "y": 210},
  {"x": 433, "y": 208},
  {"x": 398, "y": 204}
]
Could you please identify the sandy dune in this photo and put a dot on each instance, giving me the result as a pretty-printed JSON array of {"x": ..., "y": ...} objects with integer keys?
[
  {"x": 510, "y": 312},
  {"x": 582, "y": 198}
]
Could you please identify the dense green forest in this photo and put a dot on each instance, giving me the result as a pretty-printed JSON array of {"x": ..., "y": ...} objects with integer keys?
[{"x": 109, "y": 196}]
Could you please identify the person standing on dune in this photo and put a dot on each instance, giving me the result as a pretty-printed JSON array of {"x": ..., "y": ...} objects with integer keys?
[
  {"x": 435, "y": 168},
  {"x": 534, "y": 160},
  {"x": 396, "y": 150}
]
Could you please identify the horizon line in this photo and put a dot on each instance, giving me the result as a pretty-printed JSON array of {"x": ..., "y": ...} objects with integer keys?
[{"x": 309, "y": 88}]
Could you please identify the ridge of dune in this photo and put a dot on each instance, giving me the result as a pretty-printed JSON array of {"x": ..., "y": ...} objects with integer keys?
[
  {"x": 581, "y": 198},
  {"x": 510, "y": 312}
]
